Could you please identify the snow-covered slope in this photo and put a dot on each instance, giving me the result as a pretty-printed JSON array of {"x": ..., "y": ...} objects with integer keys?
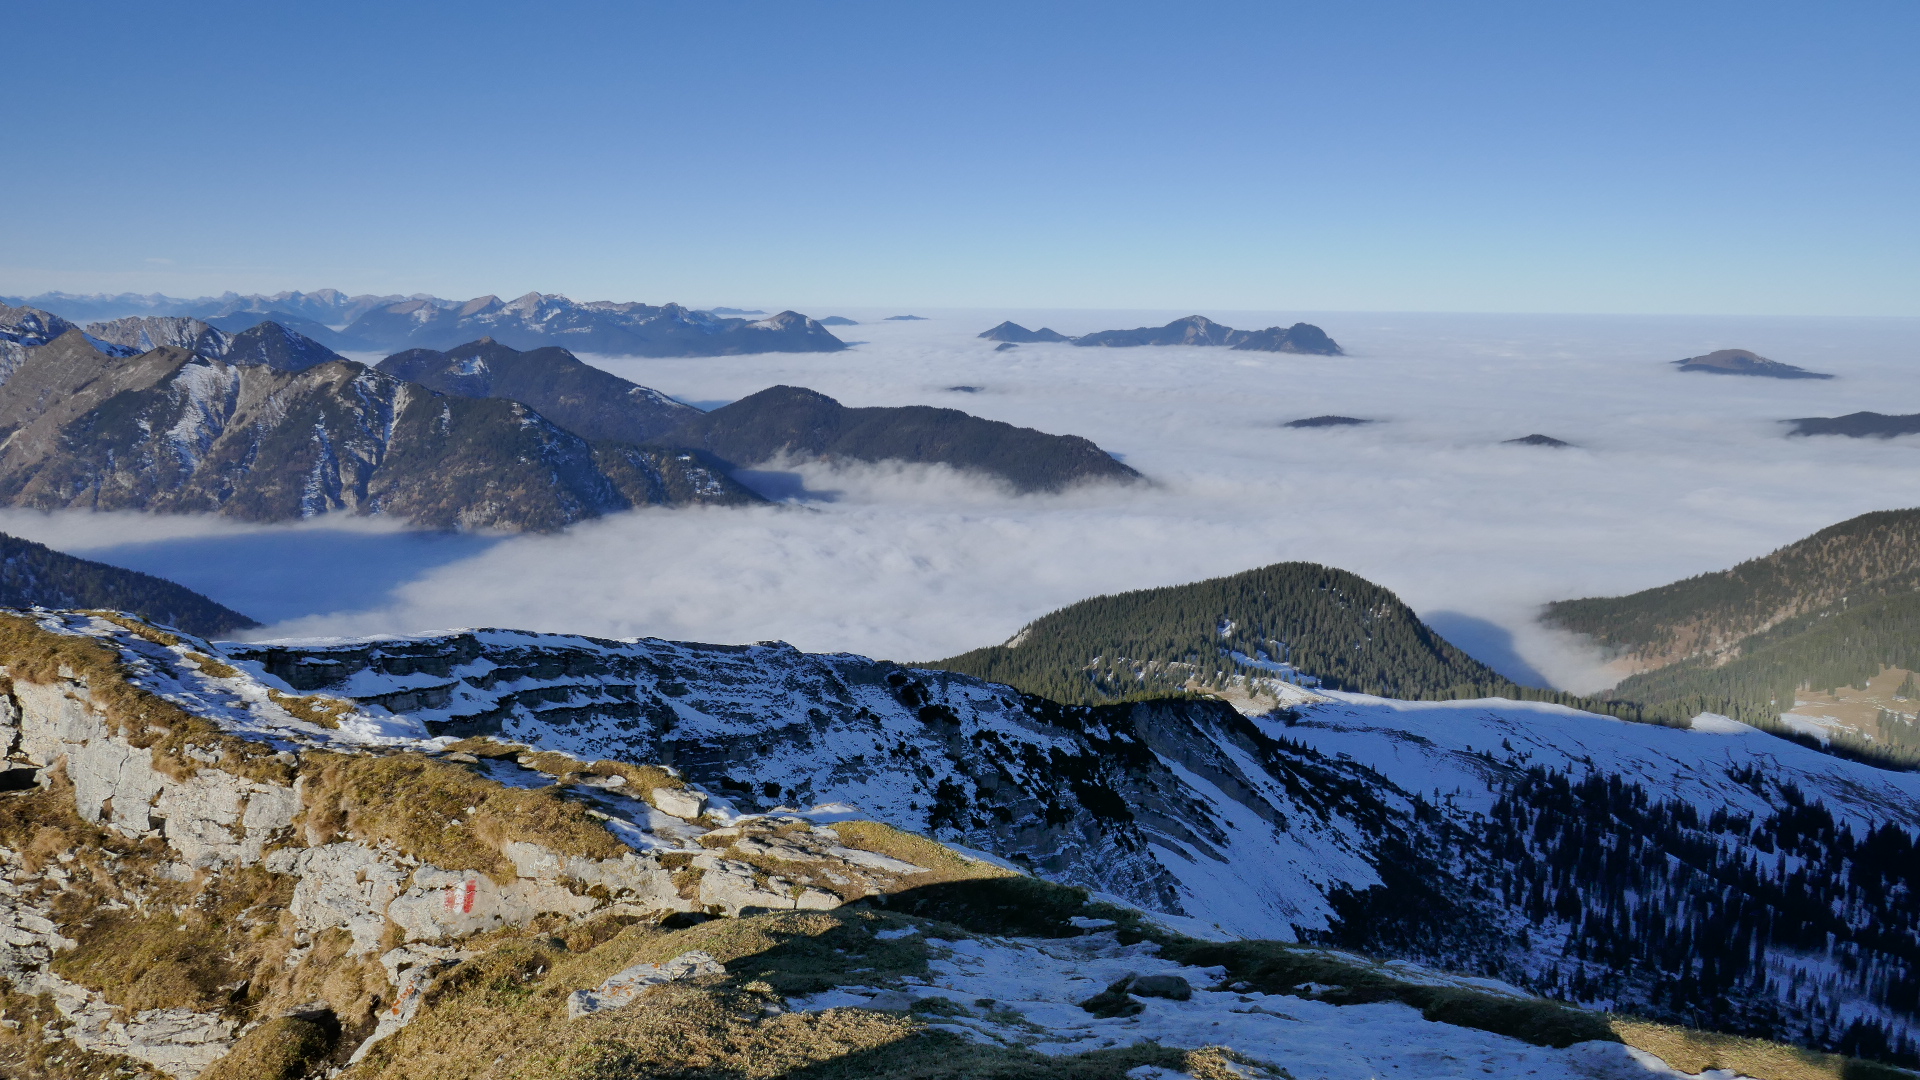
[{"x": 1716, "y": 875}]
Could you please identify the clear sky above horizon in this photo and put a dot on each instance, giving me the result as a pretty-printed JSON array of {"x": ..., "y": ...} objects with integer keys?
[{"x": 1749, "y": 158}]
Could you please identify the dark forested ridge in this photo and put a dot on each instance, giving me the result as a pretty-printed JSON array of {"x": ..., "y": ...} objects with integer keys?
[
  {"x": 1875, "y": 554},
  {"x": 792, "y": 420},
  {"x": 34, "y": 575},
  {"x": 1338, "y": 627},
  {"x": 1831, "y": 611}
]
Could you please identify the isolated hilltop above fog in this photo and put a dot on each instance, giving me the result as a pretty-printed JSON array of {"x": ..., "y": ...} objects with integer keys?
[
  {"x": 1745, "y": 362},
  {"x": 1192, "y": 330}
]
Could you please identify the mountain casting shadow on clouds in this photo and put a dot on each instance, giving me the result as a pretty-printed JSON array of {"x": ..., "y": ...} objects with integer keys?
[
  {"x": 1488, "y": 642},
  {"x": 339, "y": 570}
]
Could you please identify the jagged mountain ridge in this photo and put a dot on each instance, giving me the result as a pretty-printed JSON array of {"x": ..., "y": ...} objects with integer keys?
[
  {"x": 265, "y": 342},
  {"x": 792, "y": 421},
  {"x": 170, "y": 431},
  {"x": 34, "y": 575},
  {"x": 535, "y": 321},
  {"x": 1462, "y": 833}
]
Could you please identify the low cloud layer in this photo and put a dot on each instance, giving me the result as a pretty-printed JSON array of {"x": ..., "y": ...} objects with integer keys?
[{"x": 1669, "y": 475}]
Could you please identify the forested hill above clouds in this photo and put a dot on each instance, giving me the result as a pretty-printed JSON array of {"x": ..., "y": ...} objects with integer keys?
[
  {"x": 34, "y": 575},
  {"x": 793, "y": 421},
  {"x": 1336, "y": 627}
]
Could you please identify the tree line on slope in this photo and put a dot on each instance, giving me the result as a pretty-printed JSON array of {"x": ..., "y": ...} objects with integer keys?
[
  {"x": 1872, "y": 555},
  {"x": 1345, "y": 631}
]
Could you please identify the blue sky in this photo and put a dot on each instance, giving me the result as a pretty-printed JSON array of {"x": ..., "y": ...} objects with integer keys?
[{"x": 1663, "y": 157}]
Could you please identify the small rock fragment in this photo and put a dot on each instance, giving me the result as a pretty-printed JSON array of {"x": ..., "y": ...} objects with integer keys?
[
  {"x": 622, "y": 987},
  {"x": 680, "y": 802}
]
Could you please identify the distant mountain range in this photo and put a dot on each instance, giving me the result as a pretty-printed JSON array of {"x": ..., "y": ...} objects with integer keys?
[
  {"x": 1192, "y": 330},
  {"x": 34, "y": 575},
  {"x": 1744, "y": 362},
  {"x": 391, "y": 323},
  {"x": 534, "y": 321},
  {"x": 167, "y": 413},
  {"x": 1832, "y": 611}
]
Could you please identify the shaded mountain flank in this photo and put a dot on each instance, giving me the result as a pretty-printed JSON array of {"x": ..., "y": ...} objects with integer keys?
[
  {"x": 34, "y": 575},
  {"x": 585, "y": 400},
  {"x": 1835, "y": 610},
  {"x": 1200, "y": 330},
  {"x": 792, "y": 421},
  {"x": 170, "y": 431},
  {"x": 1287, "y": 620},
  {"x": 1860, "y": 425},
  {"x": 534, "y": 321},
  {"x": 1016, "y": 334},
  {"x": 1744, "y": 362}
]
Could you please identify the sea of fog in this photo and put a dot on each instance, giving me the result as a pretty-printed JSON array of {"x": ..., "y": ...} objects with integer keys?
[{"x": 1670, "y": 475}]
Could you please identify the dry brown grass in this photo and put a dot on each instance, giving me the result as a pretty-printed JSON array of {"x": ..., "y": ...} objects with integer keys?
[
  {"x": 502, "y": 1016},
  {"x": 442, "y": 812},
  {"x": 567, "y": 769},
  {"x": 216, "y": 669},
  {"x": 143, "y": 718},
  {"x": 1697, "y": 1051},
  {"x": 280, "y": 1049},
  {"x": 132, "y": 624},
  {"x": 321, "y": 709}
]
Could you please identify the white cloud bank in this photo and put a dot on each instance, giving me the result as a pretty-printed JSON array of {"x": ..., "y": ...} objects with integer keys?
[{"x": 1671, "y": 475}]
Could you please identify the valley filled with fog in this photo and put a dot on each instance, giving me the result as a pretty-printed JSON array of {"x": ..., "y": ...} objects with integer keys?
[{"x": 1668, "y": 475}]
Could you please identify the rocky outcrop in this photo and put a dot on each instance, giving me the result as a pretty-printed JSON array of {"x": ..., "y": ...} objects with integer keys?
[{"x": 213, "y": 820}]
